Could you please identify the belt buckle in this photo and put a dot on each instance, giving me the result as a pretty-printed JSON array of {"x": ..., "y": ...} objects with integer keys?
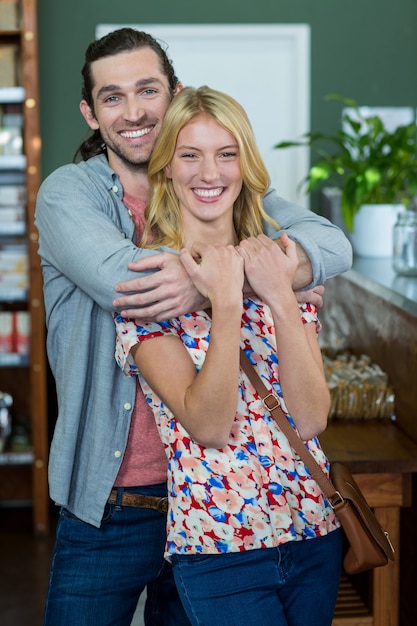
[{"x": 161, "y": 505}]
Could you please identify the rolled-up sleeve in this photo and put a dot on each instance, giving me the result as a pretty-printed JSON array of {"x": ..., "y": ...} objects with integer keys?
[{"x": 325, "y": 244}]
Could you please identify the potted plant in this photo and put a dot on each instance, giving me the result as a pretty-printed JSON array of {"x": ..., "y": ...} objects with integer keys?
[{"x": 370, "y": 164}]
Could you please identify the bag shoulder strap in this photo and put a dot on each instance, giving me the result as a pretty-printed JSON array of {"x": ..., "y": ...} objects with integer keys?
[{"x": 273, "y": 404}]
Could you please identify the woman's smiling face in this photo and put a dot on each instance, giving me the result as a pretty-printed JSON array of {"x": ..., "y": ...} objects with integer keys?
[{"x": 205, "y": 170}]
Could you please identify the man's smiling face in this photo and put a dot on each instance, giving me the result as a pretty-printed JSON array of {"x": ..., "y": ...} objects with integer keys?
[{"x": 130, "y": 95}]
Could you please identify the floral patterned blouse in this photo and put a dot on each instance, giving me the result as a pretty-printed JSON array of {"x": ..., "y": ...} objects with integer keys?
[{"x": 253, "y": 493}]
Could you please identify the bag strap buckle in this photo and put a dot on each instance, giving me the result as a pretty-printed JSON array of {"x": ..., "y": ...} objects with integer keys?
[
  {"x": 271, "y": 402},
  {"x": 336, "y": 500}
]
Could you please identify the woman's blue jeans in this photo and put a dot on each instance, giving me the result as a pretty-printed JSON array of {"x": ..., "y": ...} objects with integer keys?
[
  {"x": 98, "y": 574},
  {"x": 295, "y": 584}
]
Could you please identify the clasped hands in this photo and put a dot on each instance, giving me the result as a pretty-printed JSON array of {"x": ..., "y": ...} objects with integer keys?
[{"x": 170, "y": 291}]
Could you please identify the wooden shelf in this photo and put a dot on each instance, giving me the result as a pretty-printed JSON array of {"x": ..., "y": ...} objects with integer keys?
[
  {"x": 13, "y": 359},
  {"x": 11, "y": 94},
  {"x": 12, "y": 162},
  {"x": 16, "y": 458},
  {"x": 13, "y": 295},
  {"x": 10, "y": 229},
  {"x": 27, "y": 382}
]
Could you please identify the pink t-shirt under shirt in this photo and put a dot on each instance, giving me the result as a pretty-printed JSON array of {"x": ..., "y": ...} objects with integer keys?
[{"x": 144, "y": 461}]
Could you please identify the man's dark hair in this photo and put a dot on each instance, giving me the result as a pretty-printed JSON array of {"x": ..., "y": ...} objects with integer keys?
[{"x": 121, "y": 40}]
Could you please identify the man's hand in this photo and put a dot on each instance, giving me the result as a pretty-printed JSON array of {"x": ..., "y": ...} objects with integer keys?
[
  {"x": 313, "y": 296},
  {"x": 167, "y": 292}
]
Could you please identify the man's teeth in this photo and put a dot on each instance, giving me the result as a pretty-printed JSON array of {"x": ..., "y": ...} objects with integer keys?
[
  {"x": 208, "y": 193},
  {"x": 134, "y": 134}
]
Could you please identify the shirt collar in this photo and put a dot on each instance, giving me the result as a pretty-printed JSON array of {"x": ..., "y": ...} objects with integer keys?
[{"x": 100, "y": 165}]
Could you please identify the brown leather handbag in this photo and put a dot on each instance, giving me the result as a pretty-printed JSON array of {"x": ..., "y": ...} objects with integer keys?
[{"x": 368, "y": 544}]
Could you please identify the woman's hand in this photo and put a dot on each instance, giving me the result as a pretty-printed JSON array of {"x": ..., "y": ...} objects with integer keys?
[
  {"x": 216, "y": 271},
  {"x": 269, "y": 269}
]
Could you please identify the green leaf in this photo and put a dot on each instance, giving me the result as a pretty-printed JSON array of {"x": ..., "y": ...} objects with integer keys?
[{"x": 372, "y": 177}]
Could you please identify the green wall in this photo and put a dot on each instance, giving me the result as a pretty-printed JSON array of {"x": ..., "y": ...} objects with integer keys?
[{"x": 364, "y": 49}]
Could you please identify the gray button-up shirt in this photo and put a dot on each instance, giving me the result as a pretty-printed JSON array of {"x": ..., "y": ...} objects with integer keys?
[{"x": 85, "y": 243}]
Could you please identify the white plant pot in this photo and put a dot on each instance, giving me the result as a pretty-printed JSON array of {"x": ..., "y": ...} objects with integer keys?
[{"x": 373, "y": 227}]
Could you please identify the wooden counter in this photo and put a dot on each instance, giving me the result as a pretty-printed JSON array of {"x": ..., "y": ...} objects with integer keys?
[
  {"x": 370, "y": 447},
  {"x": 366, "y": 316},
  {"x": 382, "y": 459}
]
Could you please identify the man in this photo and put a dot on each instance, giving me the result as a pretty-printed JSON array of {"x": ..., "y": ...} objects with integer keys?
[{"x": 107, "y": 465}]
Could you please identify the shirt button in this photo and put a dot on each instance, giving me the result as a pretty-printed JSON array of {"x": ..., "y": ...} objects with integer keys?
[
  {"x": 127, "y": 406},
  {"x": 117, "y": 454},
  {"x": 130, "y": 212},
  {"x": 115, "y": 188}
]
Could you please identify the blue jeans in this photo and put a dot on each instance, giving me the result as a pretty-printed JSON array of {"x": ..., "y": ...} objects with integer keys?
[
  {"x": 295, "y": 584},
  {"x": 98, "y": 574}
]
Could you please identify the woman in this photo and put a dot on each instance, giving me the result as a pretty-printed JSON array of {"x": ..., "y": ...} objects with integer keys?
[{"x": 251, "y": 537}]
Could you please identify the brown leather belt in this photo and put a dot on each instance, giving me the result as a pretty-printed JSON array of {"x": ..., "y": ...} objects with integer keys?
[{"x": 157, "y": 503}]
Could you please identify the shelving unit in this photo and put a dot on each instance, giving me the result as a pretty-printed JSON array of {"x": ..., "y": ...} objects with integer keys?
[
  {"x": 23, "y": 474},
  {"x": 383, "y": 460}
]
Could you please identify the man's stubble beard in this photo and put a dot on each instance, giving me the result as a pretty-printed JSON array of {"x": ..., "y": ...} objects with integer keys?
[{"x": 140, "y": 163}]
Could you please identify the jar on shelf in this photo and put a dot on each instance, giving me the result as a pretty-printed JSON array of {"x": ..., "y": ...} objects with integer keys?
[{"x": 405, "y": 244}]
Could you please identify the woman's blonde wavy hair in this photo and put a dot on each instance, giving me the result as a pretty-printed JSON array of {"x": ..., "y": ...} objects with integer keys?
[{"x": 163, "y": 215}]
